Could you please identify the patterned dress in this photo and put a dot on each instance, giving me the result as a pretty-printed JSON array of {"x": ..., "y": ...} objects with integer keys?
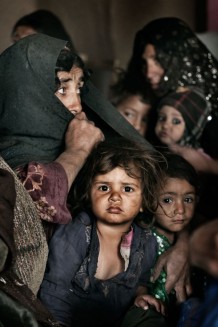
[{"x": 157, "y": 288}]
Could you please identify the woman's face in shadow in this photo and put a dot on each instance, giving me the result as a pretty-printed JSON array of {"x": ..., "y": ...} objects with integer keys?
[
  {"x": 21, "y": 32},
  {"x": 152, "y": 68},
  {"x": 69, "y": 89}
]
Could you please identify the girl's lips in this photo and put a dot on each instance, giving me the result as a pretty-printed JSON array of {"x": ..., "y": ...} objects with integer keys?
[
  {"x": 179, "y": 222},
  {"x": 114, "y": 210},
  {"x": 163, "y": 134}
]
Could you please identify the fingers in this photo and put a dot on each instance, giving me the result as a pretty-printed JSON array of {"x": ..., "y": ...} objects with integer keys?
[
  {"x": 181, "y": 294},
  {"x": 159, "y": 266},
  {"x": 159, "y": 306},
  {"x": 81, "y": 116},
  {"x": 145, "y": 301},
  {"x": 82, "y": 135},
  {"x": 188, "y": 286},
  {"x": 170, "y": 282},
  {"x": 183, "y": 286},
  {"x": 181, "y": 283},
  {"x": 141, "y": 303},
  {"x": 82, "y": 120}
]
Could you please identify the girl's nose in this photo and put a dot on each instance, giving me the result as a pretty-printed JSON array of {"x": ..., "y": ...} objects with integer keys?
[
  {"x": 180, "y": 209},
  {"x": 138, "y": 124},
  {"x": 165, "y": 124},
  {"x": 115, "y": 197}
]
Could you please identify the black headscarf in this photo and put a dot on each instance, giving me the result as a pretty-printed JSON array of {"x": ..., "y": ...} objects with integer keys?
[
  {"x": 44, "y": 22},
  {"x": 33, "y": 121},
  {"x": 184, "y": 58}
]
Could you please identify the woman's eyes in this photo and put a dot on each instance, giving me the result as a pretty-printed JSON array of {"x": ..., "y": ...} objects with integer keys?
[
  {"x": 129, "y": 114},
  {"x": 61, "y": 90},
  {"x": 79, "y": 87},
  {"x": 64, "y": 90}
]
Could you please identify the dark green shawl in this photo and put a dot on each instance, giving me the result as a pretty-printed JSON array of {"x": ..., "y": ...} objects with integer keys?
[{"x": 32, "y": 120}]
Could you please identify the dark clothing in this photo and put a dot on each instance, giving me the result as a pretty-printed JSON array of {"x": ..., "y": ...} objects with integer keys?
[
  {"x": 204, "y": 313},
  {"x": 33, "y": 120},
  {"x": 70, "y": 290},
  {"x": 185, "y": 59},
  {"x": 208, "y": 310},
  {"x": 138, "y": 317},
  {"x": 7, "y": 204},
  {"x": 12, "y": 314},
  {"x": 19, "y": 306}
]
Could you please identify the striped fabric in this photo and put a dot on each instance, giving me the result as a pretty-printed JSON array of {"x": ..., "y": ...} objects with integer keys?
[{"x": 194, "y": 109}]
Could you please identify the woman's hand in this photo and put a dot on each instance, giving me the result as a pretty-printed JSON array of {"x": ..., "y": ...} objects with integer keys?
[
  {"x": 80, "y": 138},
  {"x": 175, "y": 262}
]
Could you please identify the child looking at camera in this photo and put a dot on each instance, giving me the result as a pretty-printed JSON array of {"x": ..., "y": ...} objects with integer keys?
[
  {"x": 176, "y": 206},
  {"x": 102, "y": 260}
]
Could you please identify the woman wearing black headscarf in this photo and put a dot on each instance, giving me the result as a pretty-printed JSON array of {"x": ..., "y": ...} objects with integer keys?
[
  {"x": 168, "y": 56},
  {"x": 40, "y": 21},
  {"x": 34, "y": 121}
]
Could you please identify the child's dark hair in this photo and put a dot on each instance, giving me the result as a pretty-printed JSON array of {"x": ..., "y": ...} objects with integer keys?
[
  {"x": 119, "y": 91},
  {"x": 178, "y": 167},
  {"x": 116, "y": 101},
  {"x": 136, "y": 159}
]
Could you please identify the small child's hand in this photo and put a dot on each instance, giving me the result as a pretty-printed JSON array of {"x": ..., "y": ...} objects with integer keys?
[{"x": 143, "y": 301}]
